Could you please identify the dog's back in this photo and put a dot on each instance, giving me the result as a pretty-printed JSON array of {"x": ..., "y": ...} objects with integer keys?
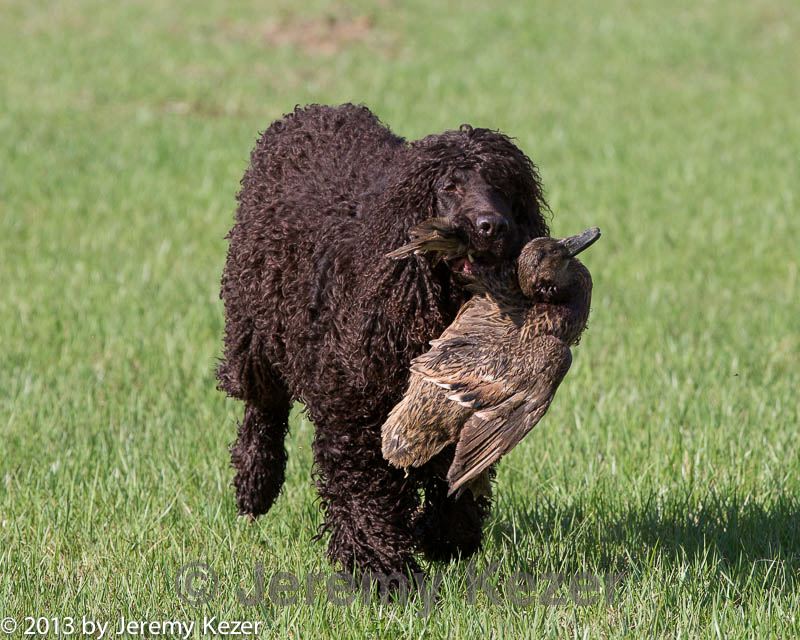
[
  {"x": 293, "y": 255},
  {"x": 315, "y": 162}
]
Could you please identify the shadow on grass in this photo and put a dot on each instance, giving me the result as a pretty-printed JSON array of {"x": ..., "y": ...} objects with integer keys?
[{"x": 743, "y": 536}]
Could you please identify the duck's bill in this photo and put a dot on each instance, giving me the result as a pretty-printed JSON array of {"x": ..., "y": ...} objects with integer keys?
[{"x": 582, "y": 241}]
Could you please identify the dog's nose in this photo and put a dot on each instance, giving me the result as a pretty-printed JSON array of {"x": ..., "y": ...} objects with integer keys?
[{"x": 491, "y": 225}]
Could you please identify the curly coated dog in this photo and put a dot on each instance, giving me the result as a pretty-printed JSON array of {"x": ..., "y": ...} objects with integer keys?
[{"x": 315, "y": 312}]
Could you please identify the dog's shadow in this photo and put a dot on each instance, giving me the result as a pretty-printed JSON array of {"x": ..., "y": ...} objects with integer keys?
[{"x": 734, "y": 533}]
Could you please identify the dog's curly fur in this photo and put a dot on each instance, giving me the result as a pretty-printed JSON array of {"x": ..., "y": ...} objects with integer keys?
[{"x": 315, "y": 312}]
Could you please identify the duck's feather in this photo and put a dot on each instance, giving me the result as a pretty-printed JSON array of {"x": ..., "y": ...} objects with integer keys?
[
  {"x": 493, "y": 431},
  {"x": 464, "y": 367},
  {"x": 435, "y": 235},
  {"x": 404, "y": 444}
]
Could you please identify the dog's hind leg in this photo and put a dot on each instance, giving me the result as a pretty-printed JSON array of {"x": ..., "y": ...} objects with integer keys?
[
  {"x": 259, "y": 455},
  {"x": 448, "y": 528}
]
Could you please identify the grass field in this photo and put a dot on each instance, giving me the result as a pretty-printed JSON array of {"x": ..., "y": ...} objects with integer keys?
[{"x": 671, "y": 452}]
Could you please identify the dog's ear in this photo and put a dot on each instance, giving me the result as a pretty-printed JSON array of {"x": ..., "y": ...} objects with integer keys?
[{"x": 418, "y": 188}]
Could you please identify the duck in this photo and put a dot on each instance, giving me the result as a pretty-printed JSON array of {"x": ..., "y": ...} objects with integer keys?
[{"x": 493, "y": 373}]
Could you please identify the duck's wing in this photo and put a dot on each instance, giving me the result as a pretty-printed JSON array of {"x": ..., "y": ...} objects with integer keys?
[
  {"x": 435, "y": 235},
  {"x": 428, "y": 419},
  {"x": 465, "y": 362},
  {"x": 452, "y": 368},
  {"x": 493, "y": 431}
]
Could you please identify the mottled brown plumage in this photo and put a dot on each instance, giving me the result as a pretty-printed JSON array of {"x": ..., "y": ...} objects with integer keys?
[
  {"x": 436, "y": 236},
  {"x": 493, "y": 373}
]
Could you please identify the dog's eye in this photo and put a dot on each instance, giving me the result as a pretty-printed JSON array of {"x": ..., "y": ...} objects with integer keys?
[{"x": 450, "y": 187}]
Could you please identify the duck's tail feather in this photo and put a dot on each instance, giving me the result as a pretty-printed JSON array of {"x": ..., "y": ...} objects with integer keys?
[
  {"x": 407, "y": 443},
  {"x": 394, "y": 437}
]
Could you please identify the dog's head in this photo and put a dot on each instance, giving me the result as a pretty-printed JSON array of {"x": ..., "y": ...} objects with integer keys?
[{"x": 487, "y": 189}]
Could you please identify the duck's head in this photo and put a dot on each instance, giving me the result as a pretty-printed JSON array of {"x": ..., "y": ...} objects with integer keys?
[{"x": 546, "y": 267}]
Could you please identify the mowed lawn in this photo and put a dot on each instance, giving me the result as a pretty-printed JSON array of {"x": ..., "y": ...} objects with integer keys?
[{"x": 671, "y": 452}]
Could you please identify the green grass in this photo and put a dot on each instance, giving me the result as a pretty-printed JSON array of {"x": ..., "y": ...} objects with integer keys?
[{"x": 671, "y": 451}]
